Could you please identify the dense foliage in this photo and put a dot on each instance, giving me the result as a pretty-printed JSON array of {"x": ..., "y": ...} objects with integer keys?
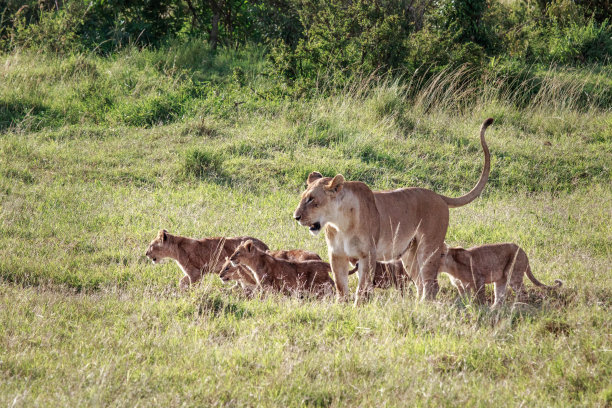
[{"x": 341, "y": 38}]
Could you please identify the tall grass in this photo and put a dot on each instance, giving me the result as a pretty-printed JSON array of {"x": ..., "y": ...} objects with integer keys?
[{"x": 97, "y": 154}]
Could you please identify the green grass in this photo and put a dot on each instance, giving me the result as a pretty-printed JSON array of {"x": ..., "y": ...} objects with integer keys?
[{"x": 171, "y": 139}]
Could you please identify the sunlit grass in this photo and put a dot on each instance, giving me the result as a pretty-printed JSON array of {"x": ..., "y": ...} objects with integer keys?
[{"x": 86, "y": 320}]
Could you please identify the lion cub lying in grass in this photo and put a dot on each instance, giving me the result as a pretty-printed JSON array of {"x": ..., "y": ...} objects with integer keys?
[
  {"x": 501, "y": 264},
  {"x": 195, "y": 257},
  {"x": 281, "y": 275},
  {"x": 243, "y": 276}
]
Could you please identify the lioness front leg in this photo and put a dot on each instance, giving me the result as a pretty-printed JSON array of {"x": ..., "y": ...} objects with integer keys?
[
  {"x": 340, "y": 267},
  {"x": 365, "y": 272}
]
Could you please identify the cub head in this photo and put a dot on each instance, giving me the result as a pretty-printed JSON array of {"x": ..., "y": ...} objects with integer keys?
[
  {"x": 246, "y": 250},
  {"x": 318, "y": 204},
  {"x": 236, "y": 273},
  {"x": 228, "y": 271},
  {"x": 456, "y": 258},
  {"x": 159, "y": 248}
]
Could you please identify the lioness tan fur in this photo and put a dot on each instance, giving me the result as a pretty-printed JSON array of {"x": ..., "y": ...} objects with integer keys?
[
  {"x": 283, "y": 275},
  {"x": 195, "y": 257},
  {"x": 500, "y": 264},
  {"x": 380, "y": 225},
  {"x": 245, "y": 278}
]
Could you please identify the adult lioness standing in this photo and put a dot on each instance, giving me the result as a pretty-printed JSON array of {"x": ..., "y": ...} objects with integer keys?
[{"x": 380, "y": 225}]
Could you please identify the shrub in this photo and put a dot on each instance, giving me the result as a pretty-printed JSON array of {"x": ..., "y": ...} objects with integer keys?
[
  {"x": 581, "y": 43},
  {"x": 57, "y": 31},
  {"x": 203, "y": 164}
]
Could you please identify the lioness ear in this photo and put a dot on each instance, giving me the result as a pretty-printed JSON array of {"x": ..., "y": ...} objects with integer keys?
[
  {"x": 248, "y": 245},
  {"x": 314, "y": 176},
  {"x": 163, "y": 234},
  {"x": 336, "y": 183}
]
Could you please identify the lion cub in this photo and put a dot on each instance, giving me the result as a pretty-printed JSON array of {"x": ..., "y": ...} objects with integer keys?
[
  {"x": 283, "y": 275},
  {"x": 298, "y": 255},
  {"x": 501, "y": 264},
  {"x": 243, "y": 276},
  {"x": 195, "y": 257},
  {"x": 387, "y": 275},
  {"x": 239, "y": 273}
]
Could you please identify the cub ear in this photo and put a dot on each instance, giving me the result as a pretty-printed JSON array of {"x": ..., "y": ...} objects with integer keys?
[
  {"x": 314, "y": 176},
  {"x": 248, "y": 245},
  {"x": 163, "y": 234},
  {"x": 336, "y": 183}
]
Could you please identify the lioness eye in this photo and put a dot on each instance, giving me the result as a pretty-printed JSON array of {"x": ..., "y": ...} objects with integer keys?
[{"x": 310, "y": 199}]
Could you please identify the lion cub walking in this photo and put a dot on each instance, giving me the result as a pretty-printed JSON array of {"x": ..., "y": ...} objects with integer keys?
[
  {"x": 283, "y": 275},
  {"x": 243, "y": 276},
  {"x": 195, "y": 257},
  {"x": 501, "y": 264}
]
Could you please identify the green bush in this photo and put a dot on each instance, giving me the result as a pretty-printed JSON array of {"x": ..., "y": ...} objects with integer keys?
[
  {"x": 56, "y": 31},
  {"x": 581, "y": 43},
  {"x": 345, "y": 38}
]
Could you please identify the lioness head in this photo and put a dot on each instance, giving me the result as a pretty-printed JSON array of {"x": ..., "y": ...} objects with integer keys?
[
  {"x": 158, "y": 248},
  {"x": 243, "y": 251},
  {"x": 318, "y": 205}
]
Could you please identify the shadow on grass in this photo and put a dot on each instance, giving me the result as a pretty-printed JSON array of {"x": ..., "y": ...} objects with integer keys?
[{"x": 12, "y": 113}]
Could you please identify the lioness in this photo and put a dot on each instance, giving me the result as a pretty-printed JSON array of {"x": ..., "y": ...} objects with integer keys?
[
  {"x": 245, "y": 278},
  {"x": 195, "y": 257},
  {"x": 501, "y": 264},
  {"x": 282, "y": 275},
  {"x": 380, "y": 225}
]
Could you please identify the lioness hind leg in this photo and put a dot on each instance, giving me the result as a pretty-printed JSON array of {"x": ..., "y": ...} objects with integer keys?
[
  {"x": 429, "y": 261},
  {"x": 409, "y": 260}
]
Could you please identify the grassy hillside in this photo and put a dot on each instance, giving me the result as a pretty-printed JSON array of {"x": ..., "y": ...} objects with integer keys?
[{"x": 97, "y": 154}]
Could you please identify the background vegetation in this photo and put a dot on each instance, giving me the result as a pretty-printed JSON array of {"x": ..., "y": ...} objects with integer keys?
[{"x": 121, "y": 118}]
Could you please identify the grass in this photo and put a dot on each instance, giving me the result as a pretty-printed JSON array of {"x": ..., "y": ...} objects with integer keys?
[{"x": 85, "y": 183}]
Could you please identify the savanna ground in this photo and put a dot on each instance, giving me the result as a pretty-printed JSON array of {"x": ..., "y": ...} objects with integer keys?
[{"x": 97, "y": 154}]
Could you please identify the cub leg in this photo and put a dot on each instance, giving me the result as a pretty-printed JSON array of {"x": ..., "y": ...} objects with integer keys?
[
  {"x": 457, "y": 283},
  {"x": 516, "y": 274},
  {"x": 479, "y": 286},
  {"x": 500, "y": 292},
  {"x": 185, "y": 282}
]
